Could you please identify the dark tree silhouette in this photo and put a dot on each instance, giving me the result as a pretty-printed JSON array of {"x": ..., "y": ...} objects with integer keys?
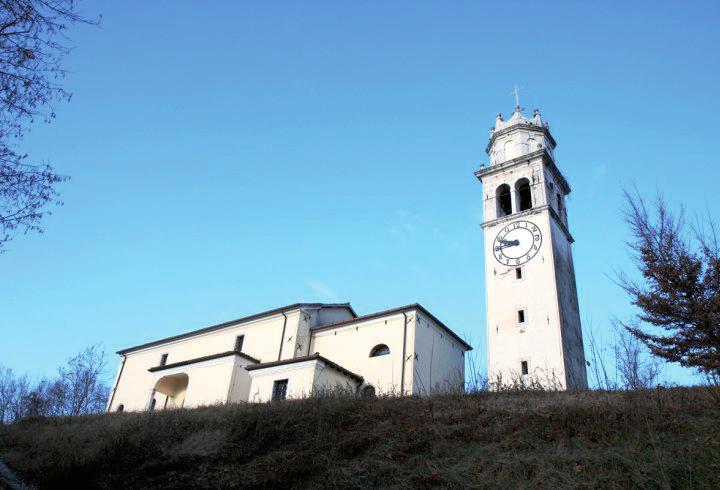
[
  {"x": 32, "y": 47},
  {"x": 679, "y": 292}
]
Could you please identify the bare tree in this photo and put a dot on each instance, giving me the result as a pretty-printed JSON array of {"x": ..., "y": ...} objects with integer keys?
[
  {"x": 679, "y": 288},
  {"x": 32, "y": 47},
  {"x": 635, "y": 368},
  {"x": 80, "y": 388},
  {"x": 8, "y": 392},
  {"x": 600, "y": 375}
]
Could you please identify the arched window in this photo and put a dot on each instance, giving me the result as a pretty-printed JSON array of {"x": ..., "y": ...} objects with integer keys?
[
  {"x": 503, "y": 200},
  {"x": 120, "y": 407},
  {"x": 524, "y": 196},
  {"x": 380, "y": 350}
]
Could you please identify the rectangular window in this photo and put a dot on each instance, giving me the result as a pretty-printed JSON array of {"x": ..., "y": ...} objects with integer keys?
[
  {"x": 524, "y": 368},
  {"x": 518, "y": 273},
  {"x": 521, "y": 316},
  {"x": 163, "y": 359},
  {"x": 239, "y": 342},
  {"x": 279, "y": 389}
]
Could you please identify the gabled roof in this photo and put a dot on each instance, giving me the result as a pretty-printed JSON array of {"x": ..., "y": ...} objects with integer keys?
[
  {"x": 231, "y": 323},
  {"x": 313, "y": 357},
  {"x": 402, "y": 309}
]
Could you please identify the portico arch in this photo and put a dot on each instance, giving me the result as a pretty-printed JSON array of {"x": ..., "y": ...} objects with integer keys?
[{"x": 169, "y": 391}]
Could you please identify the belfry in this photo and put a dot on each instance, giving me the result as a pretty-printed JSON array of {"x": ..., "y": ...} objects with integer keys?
[{"x": 533, "y": 320}]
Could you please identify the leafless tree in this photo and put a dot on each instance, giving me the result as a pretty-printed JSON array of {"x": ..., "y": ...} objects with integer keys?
[
  {"x": 635, "y": 368},
  {"x": 33, "y": 44},
  {"x": 8, "y": 393},
  {"x": 678, "y": 291},
  {"x": 601, "y": 377},
  {"x": 13, "y": 392},
  {"x": 80, "y": 388}
]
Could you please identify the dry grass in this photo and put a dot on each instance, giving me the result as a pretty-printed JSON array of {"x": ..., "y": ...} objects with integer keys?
[{"x": 659, "y": 438}]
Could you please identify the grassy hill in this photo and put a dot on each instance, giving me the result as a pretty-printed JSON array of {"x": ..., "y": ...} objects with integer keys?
[{"x": 660, "y": 438}]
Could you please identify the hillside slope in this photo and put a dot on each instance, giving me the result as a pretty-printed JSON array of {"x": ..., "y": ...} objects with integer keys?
[{"x": 659, "y": 438}]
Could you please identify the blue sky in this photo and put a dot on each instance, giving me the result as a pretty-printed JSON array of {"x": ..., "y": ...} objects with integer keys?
[{"x": 231, "y": 157}]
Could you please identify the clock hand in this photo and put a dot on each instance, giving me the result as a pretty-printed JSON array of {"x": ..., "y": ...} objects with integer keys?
[{"x": 505, "y": 243}]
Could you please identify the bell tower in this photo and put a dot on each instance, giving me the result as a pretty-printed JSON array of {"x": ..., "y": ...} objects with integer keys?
[{"x": 533, "y": 319}]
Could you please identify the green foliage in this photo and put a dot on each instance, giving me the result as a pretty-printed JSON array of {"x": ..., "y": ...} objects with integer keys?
[
  {"x": 653, "y": 438},
  {"x": 679, "y": 292}
]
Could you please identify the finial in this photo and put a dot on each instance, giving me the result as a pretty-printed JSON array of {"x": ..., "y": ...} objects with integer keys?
[
  {"x": 536, "y": 112},
  {"x": 516, "y": 92},
  {"x": 499, "y": 116}
]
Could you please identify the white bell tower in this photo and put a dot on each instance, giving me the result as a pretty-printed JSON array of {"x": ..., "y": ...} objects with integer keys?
[{"x": 533, "y": 319}]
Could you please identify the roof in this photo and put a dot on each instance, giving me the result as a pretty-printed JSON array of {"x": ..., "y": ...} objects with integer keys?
[
  {"x": 402, "y": 309},
  {"x": 220, "y": 326},
  {"x": 313, "y": 357},
  {"x": 201, "y": 359}
]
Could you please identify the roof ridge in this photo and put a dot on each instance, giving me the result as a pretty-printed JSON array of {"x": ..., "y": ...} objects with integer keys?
[{"x": 222, "y": 325}]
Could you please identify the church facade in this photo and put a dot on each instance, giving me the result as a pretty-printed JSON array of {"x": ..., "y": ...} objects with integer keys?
[
  {"x": 534, "y": 335},
  {"x": 292, "y": 352}
]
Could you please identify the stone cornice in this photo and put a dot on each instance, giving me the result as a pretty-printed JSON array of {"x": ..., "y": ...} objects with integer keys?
[
  {"x": 531, "y": 212},
  {"x": 543, "y": 153}
]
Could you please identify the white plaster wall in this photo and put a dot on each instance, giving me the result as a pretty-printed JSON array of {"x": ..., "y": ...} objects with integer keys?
[
  {"x": 240, "y": 382},
  {"x": 328, "y": 379},
  {"x": 326, "y": 316},
  {"x": 538, "y": 340},
  {"x": 350, "y": 346},
  {"x": 292, "y": 344},
  {"x": 440, "y": 363},
  {"x": 572, "y": 341},
  {"x": 262, "y": 341},
  {"x": 208, "y": 384},
  {"x": 300, "y": 378},
  {"x": 298, "y": 337}
]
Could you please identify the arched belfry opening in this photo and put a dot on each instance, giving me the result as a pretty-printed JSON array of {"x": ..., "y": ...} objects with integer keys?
[
  {"x": 503, "y": 199},
  {"x": 524, "y": 195}
]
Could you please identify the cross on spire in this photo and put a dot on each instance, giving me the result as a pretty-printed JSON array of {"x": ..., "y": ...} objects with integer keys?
[{"x": 516, "y": 92}]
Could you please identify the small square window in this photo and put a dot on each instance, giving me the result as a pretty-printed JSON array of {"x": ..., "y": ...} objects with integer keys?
[
  {"x": 518, "y": 273},
  {"x": 239, "y": 342},
  {"x": 279, "y": 389},
  {"x": 163, "y": 359},
  {"x": 524, "y": 368},
  {"x": 521, "y": 316}
]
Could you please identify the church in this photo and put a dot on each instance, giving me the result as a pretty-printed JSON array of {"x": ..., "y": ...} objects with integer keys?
[
  {"x": 295, "y": 351},
  {"x": 534, "y": 336}
]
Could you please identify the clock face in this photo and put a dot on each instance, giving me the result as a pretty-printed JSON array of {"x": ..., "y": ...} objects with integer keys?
[{"x": 517, "y": 243}]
